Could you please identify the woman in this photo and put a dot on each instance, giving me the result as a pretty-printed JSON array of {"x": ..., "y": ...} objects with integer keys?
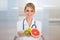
[{"x": 22, "y": 25}]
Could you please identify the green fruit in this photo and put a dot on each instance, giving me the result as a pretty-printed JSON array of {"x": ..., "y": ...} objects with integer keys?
[
  {"x": 27, "y": 32},
  {"x": 29, "y": 29}
]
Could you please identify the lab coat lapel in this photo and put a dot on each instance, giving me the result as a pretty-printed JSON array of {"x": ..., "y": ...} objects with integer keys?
[
  {"x": 32, "y": 23},
  {"x": 26, "y": 24}
]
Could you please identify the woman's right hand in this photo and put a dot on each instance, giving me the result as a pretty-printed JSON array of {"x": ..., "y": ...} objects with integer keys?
[{"x": 21, "y": 34}]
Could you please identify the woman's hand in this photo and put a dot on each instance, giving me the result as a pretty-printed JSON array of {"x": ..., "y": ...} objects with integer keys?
[
  {"x": 28, "y": 35},
  {"x": 21, "y": 34}
]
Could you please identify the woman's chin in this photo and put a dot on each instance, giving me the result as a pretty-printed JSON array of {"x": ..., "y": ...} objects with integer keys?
[{"x": 29, "y": 17}]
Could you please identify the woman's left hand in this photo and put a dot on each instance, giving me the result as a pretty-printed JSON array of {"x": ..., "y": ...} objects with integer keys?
[{"x": 43, "y": 38}]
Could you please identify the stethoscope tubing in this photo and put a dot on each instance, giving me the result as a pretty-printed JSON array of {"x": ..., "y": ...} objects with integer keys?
[{"x": 31, "y": 26}]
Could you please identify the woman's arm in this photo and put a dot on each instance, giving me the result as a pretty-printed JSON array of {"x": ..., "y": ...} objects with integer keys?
[
  {"x": 43, "y": 38},
  {"x": 19, "y": 34},
  {"x": 15, "y": 37}
]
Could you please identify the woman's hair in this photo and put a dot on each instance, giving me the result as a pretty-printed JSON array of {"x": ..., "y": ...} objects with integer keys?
[{"x": 31, "y": 5}]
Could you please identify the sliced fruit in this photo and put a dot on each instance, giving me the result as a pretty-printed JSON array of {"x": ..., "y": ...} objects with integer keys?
[{"x": 35, "y": 32}]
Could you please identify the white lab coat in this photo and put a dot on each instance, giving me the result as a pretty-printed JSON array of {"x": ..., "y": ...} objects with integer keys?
[{"x": 20, "y": 28}]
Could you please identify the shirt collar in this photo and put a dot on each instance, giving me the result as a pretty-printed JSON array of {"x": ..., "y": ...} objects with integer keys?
[{"x": 27, "y": 23}]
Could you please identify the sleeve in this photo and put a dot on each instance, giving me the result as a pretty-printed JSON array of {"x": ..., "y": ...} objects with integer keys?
[
  {"x": 19, "y": 26},
  {"x": 39, "y": 26}
]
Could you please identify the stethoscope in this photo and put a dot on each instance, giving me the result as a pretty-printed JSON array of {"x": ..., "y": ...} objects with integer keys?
[{"x": 34, "y": 25}]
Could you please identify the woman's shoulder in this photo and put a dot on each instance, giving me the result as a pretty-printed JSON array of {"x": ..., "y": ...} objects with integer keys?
[
  {"x": 38, "y": 22},
  {"x": 20, "y": 21}
]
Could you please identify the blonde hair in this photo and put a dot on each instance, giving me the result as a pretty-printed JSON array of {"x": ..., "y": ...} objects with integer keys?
[{"x": 31, "y": 5}]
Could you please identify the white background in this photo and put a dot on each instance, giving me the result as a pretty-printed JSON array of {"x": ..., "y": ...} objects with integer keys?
[{"x": 47, "y": 11}]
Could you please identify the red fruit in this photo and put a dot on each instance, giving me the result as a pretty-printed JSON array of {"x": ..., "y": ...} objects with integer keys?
[{"x": 35, "y": 32}]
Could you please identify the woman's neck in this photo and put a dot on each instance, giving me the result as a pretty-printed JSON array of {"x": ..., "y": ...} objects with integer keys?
[{"x": 29, "y": 21}]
